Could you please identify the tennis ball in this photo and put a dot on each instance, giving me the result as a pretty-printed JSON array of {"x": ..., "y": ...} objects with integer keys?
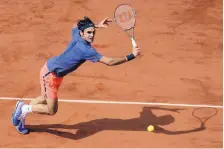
[{"x": 150, "y": 128}]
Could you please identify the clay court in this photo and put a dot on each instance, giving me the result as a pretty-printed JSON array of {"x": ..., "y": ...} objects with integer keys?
[{"x": 180, "y": 63}]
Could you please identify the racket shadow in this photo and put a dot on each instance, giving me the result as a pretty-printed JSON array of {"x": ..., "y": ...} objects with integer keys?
[
  {"x": 168, "y": 132},
  {"x": 207, "y": 111},
  {"x": 89, "y": 128}
]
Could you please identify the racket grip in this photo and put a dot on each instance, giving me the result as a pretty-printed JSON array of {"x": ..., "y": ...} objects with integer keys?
[{"x": 133, "y": 43}]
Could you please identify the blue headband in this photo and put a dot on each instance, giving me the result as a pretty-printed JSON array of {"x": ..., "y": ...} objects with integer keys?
[{"x": 86, "y": 26}]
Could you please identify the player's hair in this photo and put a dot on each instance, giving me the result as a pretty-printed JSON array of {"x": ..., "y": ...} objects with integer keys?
[{"x": 85, "y": 23}]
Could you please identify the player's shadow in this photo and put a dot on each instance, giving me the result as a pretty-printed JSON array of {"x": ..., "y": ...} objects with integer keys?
[{"x": 85, "y": 129}]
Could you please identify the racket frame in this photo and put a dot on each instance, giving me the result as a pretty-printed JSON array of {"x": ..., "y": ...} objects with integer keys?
[
  {"x": 203, "y": 120},
  {"x": 128, "y": 31}
]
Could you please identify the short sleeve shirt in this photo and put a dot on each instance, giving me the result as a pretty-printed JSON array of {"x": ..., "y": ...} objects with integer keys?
[{"x": 77, "y": 52}]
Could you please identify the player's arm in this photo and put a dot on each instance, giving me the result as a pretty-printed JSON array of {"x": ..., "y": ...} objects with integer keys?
[{"x": 112, "y": 61}]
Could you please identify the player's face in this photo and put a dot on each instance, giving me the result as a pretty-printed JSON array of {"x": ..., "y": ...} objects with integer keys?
[{"x": 89, "y": 34}]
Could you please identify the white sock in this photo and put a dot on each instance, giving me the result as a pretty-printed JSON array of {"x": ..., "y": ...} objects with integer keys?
[{"x": 26, "y": 109}]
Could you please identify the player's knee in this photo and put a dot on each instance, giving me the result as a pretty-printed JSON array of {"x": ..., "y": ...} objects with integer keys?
[
  {"x": 53, "y": 111},
  {"x": 52, "y": 106}
]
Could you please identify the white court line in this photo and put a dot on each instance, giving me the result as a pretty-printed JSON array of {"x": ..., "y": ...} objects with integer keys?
[{"x": 121, "y": 102}]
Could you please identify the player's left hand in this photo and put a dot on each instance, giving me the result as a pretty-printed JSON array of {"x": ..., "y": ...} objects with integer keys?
[{"x": 104, "y": 23}]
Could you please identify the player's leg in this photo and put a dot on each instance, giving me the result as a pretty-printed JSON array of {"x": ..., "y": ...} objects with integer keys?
[
  {"x": 47, "y": 104},
  {"x": 25, "y": 108},
  {"x": 18, "y": 108},
  {"x": 50, "y": 108},
  {"x": 38, "y": 100},
  {"x": 19, "y": 114}
]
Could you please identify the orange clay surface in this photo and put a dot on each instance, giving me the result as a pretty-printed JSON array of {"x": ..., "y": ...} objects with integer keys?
[{"x": 181, "y": 62}]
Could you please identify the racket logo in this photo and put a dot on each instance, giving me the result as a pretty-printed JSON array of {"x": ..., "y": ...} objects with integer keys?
[{"x": 125, "y": 16}]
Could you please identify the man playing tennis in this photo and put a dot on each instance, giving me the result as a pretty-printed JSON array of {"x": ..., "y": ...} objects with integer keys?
[{"x": 51, "y": 75}]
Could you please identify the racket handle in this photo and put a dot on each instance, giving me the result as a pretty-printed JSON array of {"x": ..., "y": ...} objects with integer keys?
[{"x": 133, "y": 43}]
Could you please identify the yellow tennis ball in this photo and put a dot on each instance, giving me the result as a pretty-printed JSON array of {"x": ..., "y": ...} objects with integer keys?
[{"x": 150, "y": 128}]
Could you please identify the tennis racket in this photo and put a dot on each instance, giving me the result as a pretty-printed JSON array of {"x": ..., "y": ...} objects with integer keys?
[
  {"x": 203, "y": 114},
  {"x": 124, "y": 17}
]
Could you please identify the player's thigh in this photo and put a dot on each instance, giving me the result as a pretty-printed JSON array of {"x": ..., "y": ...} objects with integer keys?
[{"x": 49, "y": 84}]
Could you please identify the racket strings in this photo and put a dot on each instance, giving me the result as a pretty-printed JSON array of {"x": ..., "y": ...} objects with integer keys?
[{"x": 124, "y": 16}]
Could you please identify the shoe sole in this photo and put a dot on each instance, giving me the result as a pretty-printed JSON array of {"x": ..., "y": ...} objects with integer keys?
[{"x": 22, "y": 132}]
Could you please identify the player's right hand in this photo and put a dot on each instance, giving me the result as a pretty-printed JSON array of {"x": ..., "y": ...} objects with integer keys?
[{"x": 136, "y": 51}]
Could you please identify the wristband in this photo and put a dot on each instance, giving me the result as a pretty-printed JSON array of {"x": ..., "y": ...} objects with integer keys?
[{"x": 130, "y": 57}]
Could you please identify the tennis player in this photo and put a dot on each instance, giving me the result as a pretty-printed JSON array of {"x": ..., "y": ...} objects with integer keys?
[{"x": 78, "y": 51}]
